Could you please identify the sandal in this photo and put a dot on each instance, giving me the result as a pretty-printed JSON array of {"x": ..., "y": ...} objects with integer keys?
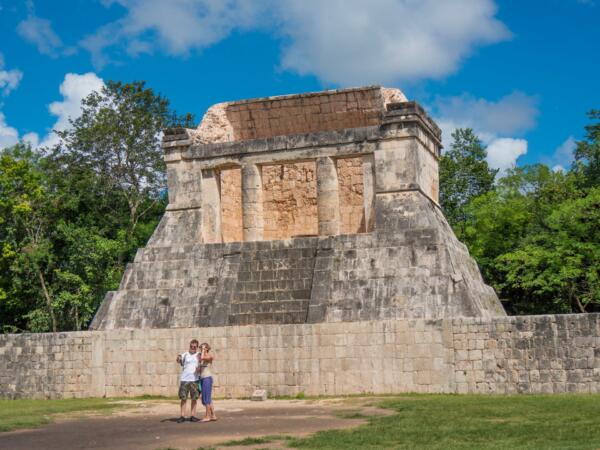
[
  {"x": 194, "y": 419},
  {"x": 181, "y": 419}
]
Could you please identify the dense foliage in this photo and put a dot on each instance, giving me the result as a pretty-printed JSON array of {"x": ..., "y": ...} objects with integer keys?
[
  {"x": 464, "y": 175},
  {"x": 72, "y": 216},
  {"x": 535, "y": 233}
]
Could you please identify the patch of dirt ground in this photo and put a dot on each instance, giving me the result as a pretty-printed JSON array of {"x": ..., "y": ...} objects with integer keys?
[{"x": 151, "y": 424}]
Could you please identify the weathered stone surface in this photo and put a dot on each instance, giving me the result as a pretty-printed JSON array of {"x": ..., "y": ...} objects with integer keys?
[
  {"x": 231, "y": 204},
  {"x": 527, "y": 354},
  {"x": 215, "y": 126},
  {"x": 333, "y": 196},
  {"x": 289, "y": 200},
  {"x": 259, "y": 395},
  {"x": 292, "y": 114}
]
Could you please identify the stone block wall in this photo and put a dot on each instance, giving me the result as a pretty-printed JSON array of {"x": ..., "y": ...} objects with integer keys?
[
  {"x": 290, "y": 200},
  {"x": 351, "y": 195},
  {"x": 527, "y": 354},
  {"x": 60, "y": 365},
  {"x": 411, "y": 266},
  {"x": 502, "y": 355},
  {"x": 320, "y": 111},
  {"x": 231, "y": 204}
]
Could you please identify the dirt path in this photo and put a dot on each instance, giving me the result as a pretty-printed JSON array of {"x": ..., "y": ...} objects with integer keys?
[{"x": 151, "y": 425}]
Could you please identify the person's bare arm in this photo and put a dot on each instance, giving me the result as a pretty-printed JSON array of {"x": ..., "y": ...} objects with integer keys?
[
  {"x": 178, "y": 360},
  {"x": 206, "y": 356}
]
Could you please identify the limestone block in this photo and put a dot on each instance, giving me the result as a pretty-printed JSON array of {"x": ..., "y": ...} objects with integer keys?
[
  {"x": 259, "y": 395},
  {"x": 395, "y": 166}
]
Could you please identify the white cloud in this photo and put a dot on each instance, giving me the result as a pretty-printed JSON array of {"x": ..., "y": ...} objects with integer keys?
[
  {"x": 74, "y": 88},
  {"x": 563, "y": 155},
  {"x": 345, "y": 42},
  {"x": 495, "y": 122},
  {"x": 9, "y": 79},
  {"x": 513, "y": 113},
  {"x": 177, "y": 26},
  {"x": 504, "y": 152},
  {"x": 8, "y": 135},
  {"x": 39, "y": 31},
  {"x": 32, "y": 139},
  {"x": 354, "y": 42}
]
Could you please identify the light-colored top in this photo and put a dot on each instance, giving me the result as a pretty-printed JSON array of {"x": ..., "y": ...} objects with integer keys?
[
  {"x": 189, "y": 364},
  {"x": 205, "y": 369}
]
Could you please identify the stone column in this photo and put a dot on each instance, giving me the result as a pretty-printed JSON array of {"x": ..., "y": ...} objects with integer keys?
[
  {"x": 328, "y": 202},
  {"x": 369, "y": 191},
  {"x": 252, "y": 203},
  {"x": 211, "y": 207}
]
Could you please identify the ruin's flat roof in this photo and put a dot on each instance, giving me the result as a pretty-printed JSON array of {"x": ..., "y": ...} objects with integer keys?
[
  {"x": 305, "y": 95},
  {"x": 282, "y": 115}
]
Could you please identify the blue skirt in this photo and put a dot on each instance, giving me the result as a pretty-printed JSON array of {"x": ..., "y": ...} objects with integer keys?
[{"x": 206, "y": 384}]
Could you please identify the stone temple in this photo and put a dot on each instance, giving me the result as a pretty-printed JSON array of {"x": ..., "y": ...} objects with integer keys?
[
  {"x": 307, "y": 208},
  {"x": 312, "y": 221}
]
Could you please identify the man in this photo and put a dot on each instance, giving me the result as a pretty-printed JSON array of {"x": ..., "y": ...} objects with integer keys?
[{"x": 188, "y": 384}]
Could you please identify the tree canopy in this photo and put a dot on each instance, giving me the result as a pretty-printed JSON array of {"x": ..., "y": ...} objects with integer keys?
[
  {"x": 534, "y": 232},
  {"x": 72, "y": 216},
  {"x": 587, "y": 153},
  {"x": 464, "y": 175},
  {"x": 117, "y": 136}
]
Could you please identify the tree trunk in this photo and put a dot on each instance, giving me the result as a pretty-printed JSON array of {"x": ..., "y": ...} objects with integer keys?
[
  {"x": 77, "y": 324},
  {"x": 133, "y": 205},
  {"x": 133, "y": 217},
  {"x": 48, "y": 300}
]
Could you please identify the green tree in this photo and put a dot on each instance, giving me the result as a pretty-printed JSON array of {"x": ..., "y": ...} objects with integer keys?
[
  {"x": 587, "y": 153},
  {"x": 62, "y": 242},
  {"x": 117, "y": 136},
  {"x": 504, "y": 221},
  {"x": 558, "y": 268},
  {"x": 89, "y": 266},
  {"x": 71, "y": 217},
  {"x": 464, "y": 175},
  {"x": 26, "y": 218}
]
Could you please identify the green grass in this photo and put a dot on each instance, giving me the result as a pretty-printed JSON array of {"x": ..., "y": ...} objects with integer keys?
[
  {"x": 16, "y": 414},
  {"x": 473, "y": 422}
]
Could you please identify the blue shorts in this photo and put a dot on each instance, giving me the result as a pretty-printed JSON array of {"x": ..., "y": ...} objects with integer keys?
[{"x": 206, "y": 384}]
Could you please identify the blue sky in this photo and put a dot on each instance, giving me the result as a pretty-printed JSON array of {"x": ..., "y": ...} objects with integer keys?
[{"x": 521, "y": 73}]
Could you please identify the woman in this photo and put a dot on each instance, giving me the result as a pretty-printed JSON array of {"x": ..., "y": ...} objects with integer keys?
[{"x": 206, "y": 381}]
